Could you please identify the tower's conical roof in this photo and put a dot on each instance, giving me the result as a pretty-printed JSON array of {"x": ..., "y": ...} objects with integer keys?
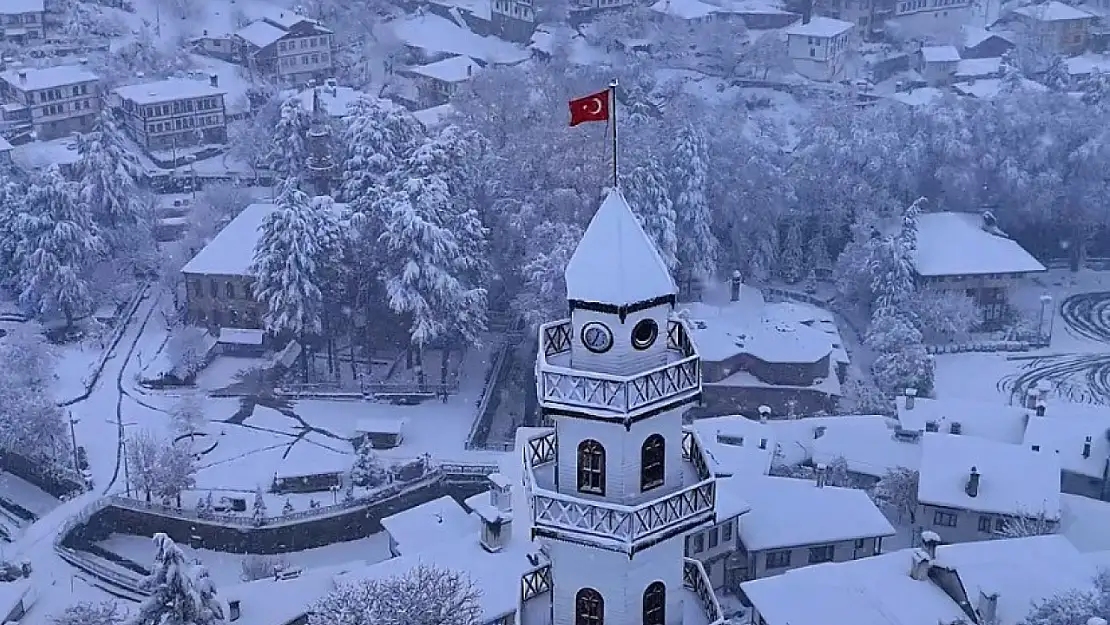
[{"x": 616, "y": 262}]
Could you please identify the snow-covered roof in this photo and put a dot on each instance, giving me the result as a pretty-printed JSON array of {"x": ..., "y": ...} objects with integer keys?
[
  {"x": 260, "y": 33},
  {"x": 42, "y": 154},
  {"x": 783, "y": 514},
  {"x": 33, "y": 79},
  {"x": 825, "y": 27},
  {"x": 1065, "y": 435},
  {"x": 974, "y": 35},
  {"x": 737, "y": 445},
  {"x": 1013, "y": 479},
  {"x": 991, "y": 420},
  {"x": 231, "y": 252},
  {"x": 731, "y": 498},
  {"x": 684, "y": 9},
  {"x": 479, "y": 8},
  {"x": 751, "y": 327},
  {"x": 11, "y": 593},
  {"x": 974, "y": 68},
  {"x": 940, "y": 54},
  {"x": 285, "y": 18},
  {"x": 15, "y": 7},
  {"x": 867, "y": 444},
  {"x": 337, "y": 101},
  {"x": 878, "y": 590},
  {"x": 1053, "y": 11},
  {"x": 315, "y": 455},
  {"x": 429, "y": 525},
  {"x": 240, "y": 336},
  {"x": 380, "y": 425},
  {"x": 616, "y": 262},
  {"x": 922, "y": 96},
  {"x": 1087, "y": 64},
  {"x": 437, "y": 34},
  {"x": 938, "y": 234},
  {"x": 4, "y": 145},
  {"x": 451, "y": 70},
  {"x": 988, "y": 88},
  {"x": 168, "y": 91},
  {"x": 435, "y": 116}
]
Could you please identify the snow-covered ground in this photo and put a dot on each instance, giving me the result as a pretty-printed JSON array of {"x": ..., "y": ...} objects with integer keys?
[{"x": 226, "y": 567}]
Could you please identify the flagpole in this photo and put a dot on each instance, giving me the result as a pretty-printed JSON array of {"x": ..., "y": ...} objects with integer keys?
[{"x": 613, "y": 115}]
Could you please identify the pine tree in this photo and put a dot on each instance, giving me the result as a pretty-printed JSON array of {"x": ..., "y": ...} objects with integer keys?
[
  {"x": 381, "y": 137},
  {"x": 289, "y": 266},
  {"x": 107, "y": 177},
  {"x": 368, "y": 469},
  {"x": 645, "y": 189},
  {"x": 697, "y": 245},
  {"x": 258, "y": 510},
  {"x": 819, "y": 254},
  {"x": 288, "y": 155},
  {"x": 180, "y": 593},
  {"x": 792, "y": 262},
  {"x": 58, "y": 243}
]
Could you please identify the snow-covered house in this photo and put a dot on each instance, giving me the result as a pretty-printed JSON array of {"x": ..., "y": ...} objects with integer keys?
[
  {"x": 984, "y": 582},
  {"x": 968, "y": 70},
  {"x": 986, "y": 275},
  {"x": 21, "y": 20},
  {"x": 980, "y": 43},
  {"x": 513, "y": 20},
  {"x": 436, "y": 82},
  {"x": 56, "y": 101},
  {"x": 938, "y": 63},
  {"x": 1054, "y": 26},
  {"x": 683, "y": 11},
  {"x": 819, "y": 47},
  {"x": 715, "y": 546},
  {"x": 970, "y": 487},
  {"x": 428, "y": 525},
  {"x": 994, "y": 421},
  {"x": 922, "y": 18},
  {"x": 795, "y": 523},
  {"x": 1076, "y": 435},
  {"x": 287, "y": 47},
  {"x": 174, "y": 113},
  {"x": 737, "y": 446}
]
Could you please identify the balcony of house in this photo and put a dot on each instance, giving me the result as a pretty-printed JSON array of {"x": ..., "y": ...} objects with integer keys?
[
  {"x": 701, "y": 606},
  {"x": 560, "y": 385},
  {"x": 627, "y": 528}
]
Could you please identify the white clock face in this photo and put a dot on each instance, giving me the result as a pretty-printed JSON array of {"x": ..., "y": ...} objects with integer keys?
[{"x": 597, "y": 338}]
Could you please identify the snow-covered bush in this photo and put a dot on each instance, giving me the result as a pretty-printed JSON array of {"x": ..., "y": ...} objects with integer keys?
[
  {"x": 946, "y": 315},
  {"x": 1037, "y": 524},
  {"x": 425, "y": 595},
  {"x": 89, "y": 613},
  {"x": 258, "y": 509},
  {"x": 897, "y": 490},
  {"x": 187, "y": 351},
  {"x": 368, "y": 469}
]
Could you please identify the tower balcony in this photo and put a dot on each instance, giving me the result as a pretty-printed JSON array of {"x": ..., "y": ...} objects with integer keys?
[
  {"x": 619, "y": 527},
  {"x": 696, "y": 580},
  {"x": 618, "y": 396}
]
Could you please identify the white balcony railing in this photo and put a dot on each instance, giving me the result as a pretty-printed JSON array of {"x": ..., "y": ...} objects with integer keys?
[
  {"x": 695, "y": 579},
  {"x": 626, "y": 525},
  {"x": 619, "y": 395}
]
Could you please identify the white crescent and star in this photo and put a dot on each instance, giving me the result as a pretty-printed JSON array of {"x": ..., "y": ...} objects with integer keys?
[{"x": 598, "y": 105}]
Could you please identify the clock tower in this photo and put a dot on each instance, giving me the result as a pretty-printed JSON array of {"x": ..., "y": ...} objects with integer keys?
[{"x": 617, "y": 482}]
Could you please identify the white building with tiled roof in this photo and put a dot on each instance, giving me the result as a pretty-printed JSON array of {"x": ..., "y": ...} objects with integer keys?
[
  {"x": 57, "y": 101},
  {"x": 819, "y": 46},
  {"x": 174, "y": 113},
  {"x": 22, "y": 20}
]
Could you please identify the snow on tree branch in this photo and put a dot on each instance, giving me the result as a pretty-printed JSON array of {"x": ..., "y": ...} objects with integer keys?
[{"x": 425, "y": 595}]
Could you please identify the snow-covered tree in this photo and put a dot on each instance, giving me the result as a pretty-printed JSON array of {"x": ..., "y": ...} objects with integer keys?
[
  {"x": 187, "y": 351},
  {"x": 58, "y": 244},
  {"x": 792, "y": 261},
  {"x": 911, "y": 366},
  {"x": 176, "y": 470},
  {"x": 1029, "y": 524},
  {"x": 645, "y": 188},
  {"x": 188, "y": 413},
  {"x": 543, "y": 292},
  {"x": 258, "y": 509},
  {"x": 381, "y": 137},
  {"x": 213, "y": 209},
  {"x": 368, "y": 469},
  {"x": 862, "y": 397},
  {"x": 1073, "y": 606},
  {"x": 106, "y": 171},
  {"x": 89, "y": 613},
  {"x": 697, "y": 245},
  {"x": 425, "y": 595},
  {"x": 768, "y": 54},
  {"x": 181, "y": 593},
  {"x": 818, "y": 251},
  {"x": 945, "y": 315},
  {"x": 289, "y": 266},
  {"x": 288, "y": 157},
  {"x": 31, "y": 424},
  {"x": 897, "y": 490},
  {"x": 143, "y": 455},
  {"x": 838, "y": 473}
]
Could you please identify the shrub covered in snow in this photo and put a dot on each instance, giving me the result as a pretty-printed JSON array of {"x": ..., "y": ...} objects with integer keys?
[
  {"x": 425, "y": 595},
  {"x": 260, "y": 567}
]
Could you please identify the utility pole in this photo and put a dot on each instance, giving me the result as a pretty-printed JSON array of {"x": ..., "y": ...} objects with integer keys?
[{"x": 73, "y": 436}]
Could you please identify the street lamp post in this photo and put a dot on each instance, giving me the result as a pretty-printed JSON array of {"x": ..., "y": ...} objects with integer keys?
[
  {"x": 192, "y": 160},
  {"x": 73, "y": 437},
  {"x": 1047, "y": 310}
]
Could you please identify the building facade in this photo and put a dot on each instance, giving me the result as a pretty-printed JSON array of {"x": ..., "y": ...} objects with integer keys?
[
  {"x": 22, "y": 20},
  {"x": 819, "y": 47},
  {"x": 1055, "y": 27},
  {"x": 292, "y": 50},
  {"x": 175, "y": 113},
  {"x": 57, "y": 101},
  {"x": 617, "y": 483},
  {"x": 514, "y": 20}
]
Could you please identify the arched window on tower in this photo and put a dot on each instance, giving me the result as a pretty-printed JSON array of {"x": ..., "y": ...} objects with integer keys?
[
  {"x": 591, "y": 467},
  {"x": 652, "y": 464},
  {"x": 655, "y": 604},
  {"x": 589, "y": 607}
]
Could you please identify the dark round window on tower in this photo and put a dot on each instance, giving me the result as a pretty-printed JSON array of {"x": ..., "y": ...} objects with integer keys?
[{"x": 644, "y": 333}]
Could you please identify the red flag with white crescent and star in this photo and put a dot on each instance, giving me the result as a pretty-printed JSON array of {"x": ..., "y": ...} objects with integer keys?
[{"x": 591, "y": 108}]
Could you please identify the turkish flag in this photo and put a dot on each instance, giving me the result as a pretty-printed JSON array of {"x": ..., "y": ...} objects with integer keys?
[{"x": 592, "y": 108}]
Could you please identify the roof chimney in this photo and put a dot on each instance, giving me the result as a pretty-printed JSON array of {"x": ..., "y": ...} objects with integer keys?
[
  {"x": 955, "y": 428},
  {"x": 469, "y": 70},
  {"x": 929, "y": 542},
  {"x": 932, "y": 426},
  {"x": 920, "y": 564},
  {"x": 22, "y": 76},
  {"x": 1041, "y": 407},
  {"x": 1031, "y": 398},
  {"x": 734, "y": 285},
  {"x": 972, "y": 487},
  {"x": 764, "y": 413},
  {"x": 807, "y": 11},
  {"x": 822, "y": 475},
  {"x": 911, "y": 395},
  {"x": 497, "y": 518},
  {"x": 214, "y": 80},
  {"x": 988, "y": 607},
  {"x": 1087, "y": 447}
]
